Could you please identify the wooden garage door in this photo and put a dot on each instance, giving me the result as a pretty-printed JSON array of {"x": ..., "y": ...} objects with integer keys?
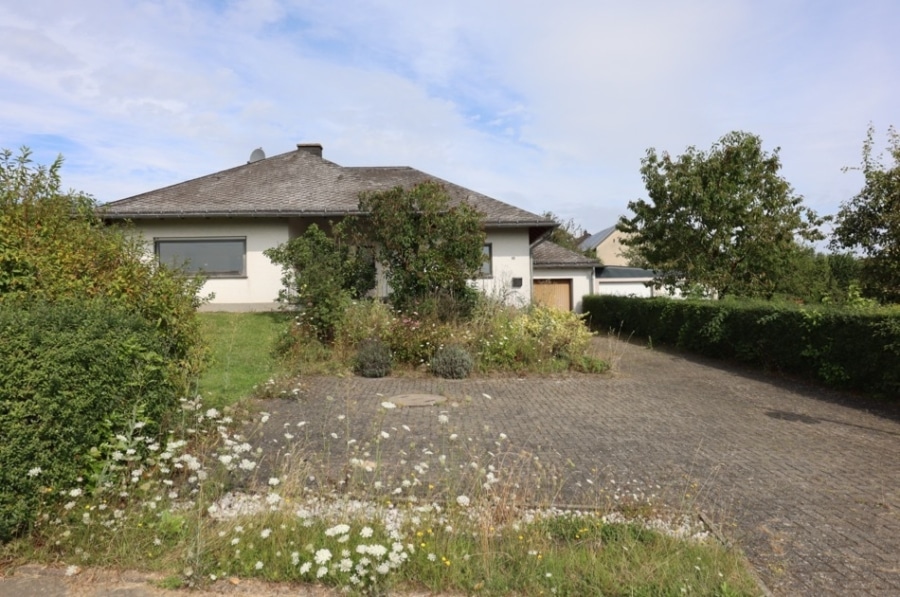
[{"x": 554, "y": 293}]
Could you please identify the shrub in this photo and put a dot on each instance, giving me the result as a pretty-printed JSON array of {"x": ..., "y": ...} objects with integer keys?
[
  {"x": 452, "y": 362},
  {"x": 855, "y": 347},
  {"x": 71, "y": 374},
  {"x": 561, "y": 334},
  {"x": 430, "y": 246},
  {"x": 55, "y": 246},
  {"x": 363, "y": 319},
  {"x": 373, "y": 358},
  {"x": 509, "y": 338},
  {"x": 321, "y": 276}
]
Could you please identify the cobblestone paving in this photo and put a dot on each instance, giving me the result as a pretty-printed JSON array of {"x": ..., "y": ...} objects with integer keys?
[{"x": 806, "y": 485}]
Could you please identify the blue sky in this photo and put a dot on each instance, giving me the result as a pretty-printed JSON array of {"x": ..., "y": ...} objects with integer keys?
[{"x": 549, "y": 106}]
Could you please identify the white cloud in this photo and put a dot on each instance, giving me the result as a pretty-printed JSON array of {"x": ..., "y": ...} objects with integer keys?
[{"x": 549, "y": 106}]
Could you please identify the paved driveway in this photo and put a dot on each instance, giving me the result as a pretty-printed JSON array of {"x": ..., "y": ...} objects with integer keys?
[{"x": 808, "y": 486}]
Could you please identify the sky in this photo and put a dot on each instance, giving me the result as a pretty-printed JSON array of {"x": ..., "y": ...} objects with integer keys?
[{"x": 549, "y": 106}]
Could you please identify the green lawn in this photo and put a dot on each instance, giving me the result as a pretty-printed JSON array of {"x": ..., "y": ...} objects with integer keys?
[{"x": 241, "y": 355}]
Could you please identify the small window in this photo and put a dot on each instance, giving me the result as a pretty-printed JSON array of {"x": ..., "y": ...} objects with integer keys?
[
  {"x": 487, "y": 267},
  {"x": 212, "y": 257}
]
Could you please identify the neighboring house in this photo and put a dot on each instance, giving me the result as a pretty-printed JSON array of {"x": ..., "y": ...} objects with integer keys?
[
  {"x": 561, "y": 277},
  {"x": 607, "y": 245},
  {"x": 221, "y": 223}
]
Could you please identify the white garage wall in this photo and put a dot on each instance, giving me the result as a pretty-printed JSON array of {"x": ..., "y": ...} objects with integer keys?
[
  {"x": 581, "y": 282},
  {"x": 259, "y": 289},
  {"x": 511, "y": 258},
  {"x": 631, "y": 287}
]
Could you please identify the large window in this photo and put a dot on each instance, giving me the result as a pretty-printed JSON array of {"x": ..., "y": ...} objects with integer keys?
[
  {"x": 212, "y": 257},
  {"x": 487, "y": 268}
]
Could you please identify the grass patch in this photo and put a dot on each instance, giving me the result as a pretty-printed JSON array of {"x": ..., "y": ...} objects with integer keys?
[{"x": 241, "y": 354}]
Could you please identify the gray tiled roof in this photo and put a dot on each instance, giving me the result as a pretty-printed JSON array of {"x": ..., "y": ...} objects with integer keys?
[
  {"x": 621, "y": 271},
  {"x": 298, "y": 183},
  {"x": 595, "y": 239},
  {"x": 550, "y": 255}
]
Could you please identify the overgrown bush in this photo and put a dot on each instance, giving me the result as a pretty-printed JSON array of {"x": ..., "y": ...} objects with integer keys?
[
  {"x": 452, "y": 362},
  {"x": 373, "y": 358},
  {"x": 509, "y": 338},
  {"x": 72, "y": 373},
  {"x": 321, "y": 275},
  {"x": 854, "y": 348},
  {"x": 430, "y": 245},
  {"x": 414, "y": 338},
  {"x": 55, "y": 246}
]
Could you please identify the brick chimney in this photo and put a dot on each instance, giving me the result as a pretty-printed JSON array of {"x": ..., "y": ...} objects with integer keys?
[{"x": 313, "y": 148}]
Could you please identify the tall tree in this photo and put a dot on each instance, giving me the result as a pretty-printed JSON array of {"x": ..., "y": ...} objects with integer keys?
[
  {"x": 723, "y": 219},
  {"x": 870, "y": 221},
  {"x": 430, "y": 247}
]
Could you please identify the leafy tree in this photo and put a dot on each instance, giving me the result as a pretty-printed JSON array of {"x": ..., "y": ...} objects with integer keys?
[
  {"x": 814, "y": 277},
  {"x": 724, "y": 219},
  {"x": 870, "y": 221},
  {"x": 429, "y": 247},
  {"x": 321, "y": 275},
  {"x": 567, "y": 234}
]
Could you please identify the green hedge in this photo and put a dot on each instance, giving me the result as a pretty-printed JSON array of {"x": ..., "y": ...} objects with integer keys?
[
  {"x": 843, "y": 348},
  {"x": 71, "y": 374}
]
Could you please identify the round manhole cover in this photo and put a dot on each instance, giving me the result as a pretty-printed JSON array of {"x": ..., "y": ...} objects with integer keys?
[{"x": 417, "y": 399}]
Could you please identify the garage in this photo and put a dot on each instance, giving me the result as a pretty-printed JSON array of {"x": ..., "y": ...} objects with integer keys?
[
  {"x": 561, "y": 277},
  {"x": 553, "y": 293}
]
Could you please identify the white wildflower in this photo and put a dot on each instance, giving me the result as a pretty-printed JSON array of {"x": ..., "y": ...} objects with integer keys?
[
  {"x": 341, "y": 529},
  {"x": 462, "y": 501}
]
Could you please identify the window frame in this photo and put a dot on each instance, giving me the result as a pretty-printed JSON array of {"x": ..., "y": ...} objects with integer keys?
[
  {"x": 157, "y": 241},
  {"x": 487, "y": 265}
]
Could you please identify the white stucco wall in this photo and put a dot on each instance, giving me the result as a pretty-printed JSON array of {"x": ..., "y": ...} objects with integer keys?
[
  {"x": 259, "y": 289},
  {"x": 629, "y": 287},
  {"x": 581, "y": 282},
  {"x": 511, "y": 258}
]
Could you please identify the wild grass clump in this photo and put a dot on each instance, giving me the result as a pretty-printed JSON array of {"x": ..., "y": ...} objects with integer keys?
[
  {"x": 373, "y": 358},
  {"x": 452, "y": 362}
]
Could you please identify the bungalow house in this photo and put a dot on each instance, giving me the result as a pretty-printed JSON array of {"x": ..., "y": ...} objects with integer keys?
[{"x": 221, "y": 224}]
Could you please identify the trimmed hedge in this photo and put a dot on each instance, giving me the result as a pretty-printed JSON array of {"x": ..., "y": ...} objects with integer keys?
[
  {"x": 72, "y": 374},
  {"x": 843, "y": 348}
]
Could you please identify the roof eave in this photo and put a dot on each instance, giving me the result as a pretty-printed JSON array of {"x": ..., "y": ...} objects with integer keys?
[{"x": 268, "y": 213}]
